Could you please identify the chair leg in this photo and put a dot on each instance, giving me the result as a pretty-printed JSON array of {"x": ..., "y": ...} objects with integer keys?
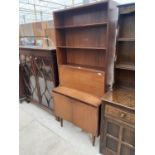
[
  {"x": 93, "y": 140},
  {"x": 61, "y": 122}
]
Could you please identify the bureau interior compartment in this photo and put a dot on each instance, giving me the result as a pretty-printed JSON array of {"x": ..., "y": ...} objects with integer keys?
[{"x": 86, "y": 37}]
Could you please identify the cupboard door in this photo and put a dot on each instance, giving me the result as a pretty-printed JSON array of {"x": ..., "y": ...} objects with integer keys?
[
  {"x": 62, "y": 106},
  {"x": 30, "y": 79},
  {"x": 118, "y": 139},
  {"x": 128, "y": 136},
  {"x": 45, "y": 80},
  {"x": 86, "y": 117}
]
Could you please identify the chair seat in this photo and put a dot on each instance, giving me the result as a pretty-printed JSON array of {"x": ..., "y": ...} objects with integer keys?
[{"x": 78, "y": 95}]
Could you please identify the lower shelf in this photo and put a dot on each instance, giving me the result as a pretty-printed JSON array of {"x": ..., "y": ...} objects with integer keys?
[
  {"x": 85, "y": 67},
  {"x": 125, "y": 66}
]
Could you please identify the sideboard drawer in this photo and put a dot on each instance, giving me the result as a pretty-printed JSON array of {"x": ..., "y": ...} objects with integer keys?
[{"x": 119, "y": 114}]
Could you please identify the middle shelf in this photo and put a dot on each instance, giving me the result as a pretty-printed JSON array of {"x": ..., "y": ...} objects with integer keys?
[
  {"x": 82, "y": 25},
  {"x": 125, "y": 66},
  {"x": 88, "y": 47}
]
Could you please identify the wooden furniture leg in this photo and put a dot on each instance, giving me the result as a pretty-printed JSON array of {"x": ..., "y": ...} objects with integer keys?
[
  {"x": 94, "y": 138},
  {"x": 57, "y": 118},
  {"x": 61, "y": 122}
]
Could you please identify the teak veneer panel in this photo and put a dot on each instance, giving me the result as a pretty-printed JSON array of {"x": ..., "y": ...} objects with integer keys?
[
  {"x": 78, "y": 95},
  {"x": 77, "y": 112},
  {"x": 85, "y": 80},
  {"x": 124, "y": 78}
]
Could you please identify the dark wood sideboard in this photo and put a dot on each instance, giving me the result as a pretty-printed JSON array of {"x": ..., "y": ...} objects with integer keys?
[
  {"x": 118, "y": 105},
  {"x": 85, "y": 38},
  {"x": 39, "y": 75}
]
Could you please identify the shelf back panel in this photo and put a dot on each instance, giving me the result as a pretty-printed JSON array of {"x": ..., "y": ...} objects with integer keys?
[
  {"x": 86, "y": 57},
  {"x": 127, "y": 26},
  {"x": 86, "y": 37},
  {"x": 126, "y": 53},
  {"x": 124, "y": 78}
]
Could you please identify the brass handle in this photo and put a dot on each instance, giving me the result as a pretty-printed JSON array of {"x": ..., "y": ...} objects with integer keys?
[{"x": 122, "y": 115}]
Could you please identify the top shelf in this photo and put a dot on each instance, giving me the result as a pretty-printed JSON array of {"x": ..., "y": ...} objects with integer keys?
[
  {"x": 126, "y": 39},
  {"x": 82, "y": 26}
]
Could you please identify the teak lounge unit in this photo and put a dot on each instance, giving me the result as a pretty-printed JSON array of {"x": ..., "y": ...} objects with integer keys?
[{"x": 85, "y": 39}]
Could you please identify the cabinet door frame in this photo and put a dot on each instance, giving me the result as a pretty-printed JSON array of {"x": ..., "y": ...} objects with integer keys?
[{"x": 119, "y": 140}]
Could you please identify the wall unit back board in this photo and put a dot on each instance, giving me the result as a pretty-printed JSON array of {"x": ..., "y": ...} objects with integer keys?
[{"x": 85, "y": 39}]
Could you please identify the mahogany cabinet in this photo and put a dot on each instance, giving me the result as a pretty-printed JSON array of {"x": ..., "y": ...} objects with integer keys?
[
  {"x": 118, "y": 105},
  {"x": 40, "y": 74},
  {"x": 85, "y": 43}
]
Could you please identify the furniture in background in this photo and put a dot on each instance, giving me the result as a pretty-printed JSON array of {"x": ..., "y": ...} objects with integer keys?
[
  {"x": 85, "y": 38},
  {"x": 37, "y": 33},
  {"x": 22, "y": 91},
  {"x": 118, "y": 107},
  {"x": 40, "y": 74}
]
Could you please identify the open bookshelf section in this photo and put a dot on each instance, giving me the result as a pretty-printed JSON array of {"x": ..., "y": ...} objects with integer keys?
[
  {"x": 81, "y": 57},
  {"x": 127, "y": 25},
  {"x": 85, "y": 36},
  {"x": 125, "y": 50},
  {"x": 82, "y": 38},
  {"x": 124, "y": 78},
  {"x": 84, "y": 16},
  {"x": 125, "y": 55}
]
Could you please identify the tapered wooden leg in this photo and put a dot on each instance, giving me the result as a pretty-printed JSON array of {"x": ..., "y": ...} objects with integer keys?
[
  {"x": 57, "y": 118},
  {"x": 93, "y": 138},
  {"x": 61, "y": 122}
]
